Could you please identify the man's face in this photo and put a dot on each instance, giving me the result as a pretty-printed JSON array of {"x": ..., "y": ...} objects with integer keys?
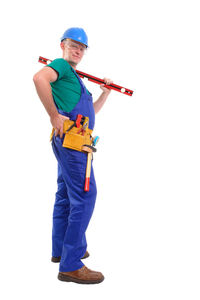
[{"x": 73, "y": 51}]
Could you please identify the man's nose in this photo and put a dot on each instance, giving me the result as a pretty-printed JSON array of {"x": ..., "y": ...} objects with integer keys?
[{"x": 78, "y": 50}]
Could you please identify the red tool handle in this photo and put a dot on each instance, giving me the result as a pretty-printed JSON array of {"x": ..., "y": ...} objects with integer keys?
[
  {"x": 78, "y": 120},
  {"x": 87, "y": 184},
  {"x": 88, "y": 171},
  {"x": 94, "y": 79}
]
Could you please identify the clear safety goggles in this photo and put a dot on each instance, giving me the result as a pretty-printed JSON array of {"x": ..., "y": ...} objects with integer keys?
[{"x": 75, "y": 46}]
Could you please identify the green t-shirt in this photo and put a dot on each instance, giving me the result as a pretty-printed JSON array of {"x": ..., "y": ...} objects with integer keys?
[{"x": 66, "y": 89}]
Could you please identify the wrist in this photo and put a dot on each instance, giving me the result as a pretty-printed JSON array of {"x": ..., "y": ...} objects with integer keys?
[
  {"x": 106, "y": 92},
  {"x": 53, "y": 115}
]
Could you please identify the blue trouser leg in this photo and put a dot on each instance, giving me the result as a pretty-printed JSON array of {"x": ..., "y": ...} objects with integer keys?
[
  {"x": 73, "y": 167},
  {"x": 60, "y": 215}
]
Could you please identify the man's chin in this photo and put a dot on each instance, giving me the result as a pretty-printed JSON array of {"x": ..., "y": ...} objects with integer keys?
[{"x": 75, "y": 60}]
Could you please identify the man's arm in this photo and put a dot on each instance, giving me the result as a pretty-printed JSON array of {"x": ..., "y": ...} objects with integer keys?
[
  {"x": 103, "y": 97},
  {"x": 42, "y": 80}
]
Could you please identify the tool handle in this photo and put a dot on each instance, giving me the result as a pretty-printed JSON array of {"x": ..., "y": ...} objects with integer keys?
[
  {"x": 78, "y": 120},
  {"x": 88, "y": 171},
  {"x": 87, "y": 184}
]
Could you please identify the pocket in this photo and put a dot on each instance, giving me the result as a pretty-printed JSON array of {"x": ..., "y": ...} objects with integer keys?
[{"x": 73, "y": 141}]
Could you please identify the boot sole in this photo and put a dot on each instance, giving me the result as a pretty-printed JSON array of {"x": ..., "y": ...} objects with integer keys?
[
  {"x": 55, "y": 259},
  {"x": 72, "y": 279}
]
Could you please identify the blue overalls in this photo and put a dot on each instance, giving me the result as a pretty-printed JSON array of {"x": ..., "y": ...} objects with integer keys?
[{"x": 73, "y": 206}]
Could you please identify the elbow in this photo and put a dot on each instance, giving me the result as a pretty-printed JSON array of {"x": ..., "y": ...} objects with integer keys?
[
  {"x": 36, "y": 78},
  {"x": 40, "y": 79}
]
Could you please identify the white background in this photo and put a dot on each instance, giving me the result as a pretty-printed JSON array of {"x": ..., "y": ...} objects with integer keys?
[{"x": 144, "y": 234}]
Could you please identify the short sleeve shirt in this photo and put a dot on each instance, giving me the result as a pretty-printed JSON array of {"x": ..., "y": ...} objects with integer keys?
[{"x": 66, "y": 90}]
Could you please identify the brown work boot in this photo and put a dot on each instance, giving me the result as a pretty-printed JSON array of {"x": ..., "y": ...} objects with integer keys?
[
  {"x": 57, "y": 259},
  {"x": 82, "y": 275},
  {"x": 86, "y": 255}
]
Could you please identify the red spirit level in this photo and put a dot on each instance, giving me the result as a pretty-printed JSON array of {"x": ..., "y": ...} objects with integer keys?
[{"x": 97, "y": 80}]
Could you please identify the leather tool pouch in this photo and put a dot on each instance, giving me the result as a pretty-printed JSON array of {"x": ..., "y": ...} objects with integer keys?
[{"x": 76, "y": 137}]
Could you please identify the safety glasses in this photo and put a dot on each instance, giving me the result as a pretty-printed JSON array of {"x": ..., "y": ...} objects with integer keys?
[{"x": 75, "y": 46}]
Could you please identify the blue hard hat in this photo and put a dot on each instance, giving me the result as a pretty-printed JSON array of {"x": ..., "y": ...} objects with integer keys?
[{"x": 76, "y": 34}]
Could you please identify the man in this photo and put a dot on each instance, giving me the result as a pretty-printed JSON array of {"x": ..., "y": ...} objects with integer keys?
[{"x": 64, "y": 96}]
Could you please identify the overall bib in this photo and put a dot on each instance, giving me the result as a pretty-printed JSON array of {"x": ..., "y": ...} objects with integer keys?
[{"x": 73, "y": 206}]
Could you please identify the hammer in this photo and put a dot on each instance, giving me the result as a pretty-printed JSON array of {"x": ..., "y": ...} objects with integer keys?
[{"x": 89, "y": 149}]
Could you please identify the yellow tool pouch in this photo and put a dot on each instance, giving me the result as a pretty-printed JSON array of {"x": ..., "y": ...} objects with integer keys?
[{"x": 75, "y": 138}]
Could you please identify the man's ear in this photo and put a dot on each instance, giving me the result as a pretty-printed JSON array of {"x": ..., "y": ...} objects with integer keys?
[{"x": 62, "y": 45}]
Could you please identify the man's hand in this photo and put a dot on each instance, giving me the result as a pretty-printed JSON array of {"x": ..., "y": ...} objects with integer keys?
[
  {"x": 57, "y": 123},
  {"x": 107, "y": 82}
]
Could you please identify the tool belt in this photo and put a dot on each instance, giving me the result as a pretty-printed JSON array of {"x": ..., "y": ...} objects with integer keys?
[{"x": 76, "y": 137}]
